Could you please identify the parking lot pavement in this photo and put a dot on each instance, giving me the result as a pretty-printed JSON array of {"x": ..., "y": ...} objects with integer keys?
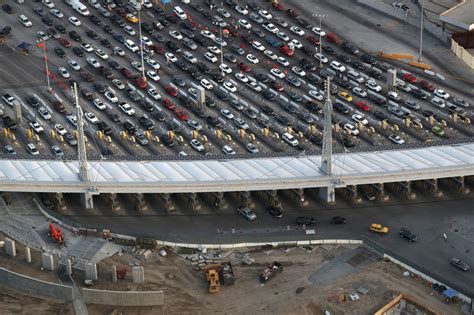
[{"x": 268, "y": 112}]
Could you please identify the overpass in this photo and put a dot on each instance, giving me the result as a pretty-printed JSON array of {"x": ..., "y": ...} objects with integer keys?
[{"x": 241, "y": 175}]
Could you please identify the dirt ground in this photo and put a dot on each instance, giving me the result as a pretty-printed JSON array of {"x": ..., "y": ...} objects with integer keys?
[{"x": 312, "y": 281}]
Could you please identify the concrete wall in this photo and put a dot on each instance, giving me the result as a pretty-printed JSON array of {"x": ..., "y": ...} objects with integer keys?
[
  {"x": 35, "y": 287},
  {"x": 462, "y": 53},
  {"x": 123, "y": 298}
]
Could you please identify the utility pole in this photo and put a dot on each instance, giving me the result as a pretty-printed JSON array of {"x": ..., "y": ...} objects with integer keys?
[
  {"x": 222, "y": 51},
  {"x": 81, "y": 145},
  {"x": 140, "y": 36},
  {"x": 46, "y": 66},
  {"x": 326, "y": 155},
  {"x": 420, "y": 57}
]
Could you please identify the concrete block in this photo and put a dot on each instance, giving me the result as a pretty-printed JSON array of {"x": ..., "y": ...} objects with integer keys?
[
  {"x": 28, "y": 254},
  {"x": 68, "y": 266},
  {"x": 138, "y": 274},
  {"x": 10, "y": 247},
  {"x": 47, "y": 261},
  {"x": 91, "y": 271},
  {"x": 114, "y": 273}
]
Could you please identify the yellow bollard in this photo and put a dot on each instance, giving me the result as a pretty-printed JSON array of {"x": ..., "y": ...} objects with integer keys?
[
  {"x": 194, "y": 134},
  {"x": 252, "y": 137},
  {"x": 300, "y": 135},
  {"x": 444, "y": 123},
  {"x": 431, "y": 120},
  {"x": 61, "y": 138},
  {"x": 395, "y": 127},
  {"x": 228, "y": 138},
  {"x": 265, "y": 132},
  {"x": 29, "y": 133},
  {"x": 218, "y": 133},
  {"x": 76, "y": 135},
  {"x": 242, "y": 133},
  {"x": 157, "y": 139},
  {"x": 204, "y": 139},
  {"x": 467, "y": 121},
  {"x": 384, "y": 124},
  {"x": 6, "y": 132},
  {"x": 100, "y": 135},
  {"x": 180, "y": 139},
  {"x": 276, "y": 136},
  {"x": 148, "y": 135}
]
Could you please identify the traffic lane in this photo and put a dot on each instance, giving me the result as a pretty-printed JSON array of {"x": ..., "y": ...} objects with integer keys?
[{"x": 427, "y": 219}]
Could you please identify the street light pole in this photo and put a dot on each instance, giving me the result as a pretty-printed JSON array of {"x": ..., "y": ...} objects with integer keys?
[
  {"x": 46, "y": 66},
  {"x": 222, "y": 52},
  {"x": 320, "y": 16},
  {"x": 141, "y": 40},
  {"x": 420, "y": 57}
]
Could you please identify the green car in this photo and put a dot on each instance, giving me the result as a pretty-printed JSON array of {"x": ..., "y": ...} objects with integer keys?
[{"x": 438, "y": 131}]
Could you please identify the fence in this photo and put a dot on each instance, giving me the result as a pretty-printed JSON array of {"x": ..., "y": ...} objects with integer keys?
[
  {"x": 462, "y": 53},
  {"x": 123, "y": 298}
]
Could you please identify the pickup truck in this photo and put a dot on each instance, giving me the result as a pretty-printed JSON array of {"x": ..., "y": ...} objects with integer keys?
[{"x": 270, "y": 271}]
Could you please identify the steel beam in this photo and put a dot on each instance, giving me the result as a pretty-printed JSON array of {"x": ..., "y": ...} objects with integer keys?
[
  {"x": 328, "y": 194},
  {"x": 406, "y": 189},
  {"x": 460, "y": 184},
  {"x": 300, "y": 197},
  {"x": 168, "y": 203},
  {"x": 219, "y": 201},
  {"x": 113, "y": 201},
  {"x": 140, "y": 203},
  {"x": 380, "y": 189},
  {"x": 194, "y": 201},
  {"x": 87, "y": 200},
  {"x": 60, "y": 202},
  {"x": 354, "y": 194},
  {"x": 432, "y": 186},
  {"x": 246, "y": 198}
]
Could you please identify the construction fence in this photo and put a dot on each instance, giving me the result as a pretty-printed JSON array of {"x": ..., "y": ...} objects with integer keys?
[
  {"x": 462, "y": 53},
  {"x": 123, "y": 298}
]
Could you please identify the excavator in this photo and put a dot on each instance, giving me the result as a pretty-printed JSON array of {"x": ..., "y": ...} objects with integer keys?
[{"x": 56, "y": 234}]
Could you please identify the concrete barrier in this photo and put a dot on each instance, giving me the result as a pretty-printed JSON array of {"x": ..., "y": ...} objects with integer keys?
[
  {"x": 35, "y": 287},
  {"x": 123, "y": 298}
]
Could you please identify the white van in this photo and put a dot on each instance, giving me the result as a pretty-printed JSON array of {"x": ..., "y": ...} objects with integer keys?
[
  {"x": 355, "y": 76},
  {"x": 180, "y": 13},
  {"x": 80, "y": 8}
]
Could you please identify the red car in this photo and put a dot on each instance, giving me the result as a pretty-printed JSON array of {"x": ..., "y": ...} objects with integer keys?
[
  {"x": 171, "y": 90},
  {"x": 277, "y": 5},
  {"x": 332, "y": 38},
  {"x": 277, "y": 86},
  {"x": 140, "y": 82},
  {"x": 292, "y": 14},
  {"x": 169, "y": 104},
  {"x": 86, "y": 76},
  {"x": 157, "y": 49},
  {"x": 64, "y": 42},
  {"x": 362, "y": 106},
  {"x": 409, "y": 78},
  {"x": 287, "y": 50},
  {"x": 127, "y": 73},
  {"x": 244, "y": 67},
  {"x": 425, "y": 85},
  {"x": 312, "y": 39},
  {"x": 181, "y": 114}
]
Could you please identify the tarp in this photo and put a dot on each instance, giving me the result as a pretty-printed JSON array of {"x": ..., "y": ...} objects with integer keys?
[
  {"x": 450, "y": 293},
  {"x": 24, "y": 45}
]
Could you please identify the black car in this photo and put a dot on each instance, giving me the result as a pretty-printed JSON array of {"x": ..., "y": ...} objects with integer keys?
[
  {"x": 268, "y": 95},
  {"x": 78, "y": 51},
  {"x": 172, "y": 18},
  {"x": 203, "y": 67},
  {"x": 92, "y": 34},
  {"x": 275, "y": 212},
  {"x": 102, "y": 126},
  {"x": 283, "y": 120},
  {"x": 338, "y": 220},
  {"x": 164, "y": 22},
  {"x": 258, "y": 32},
  {"x": 212, "y": 120},
  {"x": 350, "y": 48},
  {"x": 329, "y": 50},
  {"x": 368, "y": 59},
  {"x": 113, "y": 116},
  {"x": 409, "y": 235},
  {"x": 344, "y": 58},
  {"x": 197, "y": 7},
  {"x": 60, "y": 28},
  {"x": 119, "y": 37},
  {"x": 217, "y": 76},
  {"x": 33, "y": 101},
  {"x": 223, "y": 96},
  {"x": 200, "y": 40},
  {"x": 108, "y": 29},
  {"x": 158, "y": 115},
  {"x": 46, "y": 20},
  {"x": 179, "y": 81},
  {"x": 9, "y": 122},
  {"x": 148, "y": 106},
  {"x": 60, "y": 52},
  {"x": 40, "y": 11},
  {"x": 380, "y": 115},
  {"x": 75, "y": 36},
  {"x": 173, "y": 46},
  {"x": 182, "y": 65},
  {"x": 307, "y": 65},
  {"x": 158, "y": 10},
  {"x": 130, "y": 127},
  {"x": 358, "y": 65},
  {"x": 95, "y": 20},
  {"x": 187, "y": 33},
  {"x": 308, "y": 51},
  {"x": 305, "y": 221},
  {"x": 146, "y": 123},
  {"x": 106, "y": 43},
  {"x": 261, "y": 77},
  {"x": 147, "y": 28},
  {"x": 7, "y": 8},
  {"x": 101, "y": 88},
  {"x": 348, "y": 142}
]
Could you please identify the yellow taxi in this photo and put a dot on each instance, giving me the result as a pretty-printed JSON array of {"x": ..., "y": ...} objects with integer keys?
[
  {"x": 131, "y": 18},
  {"x": 346, "y": 96},
  {"x": 378, "y": 228}
]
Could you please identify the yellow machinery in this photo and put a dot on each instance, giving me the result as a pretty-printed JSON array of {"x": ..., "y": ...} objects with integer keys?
[{"x": 213, "y": 278}]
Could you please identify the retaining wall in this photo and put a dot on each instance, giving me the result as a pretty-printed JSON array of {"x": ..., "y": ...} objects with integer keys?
[
  {"x": 123, "y": 298},
  {"x": 462, "y": 53},
  {"x": 35, "y": 287}
]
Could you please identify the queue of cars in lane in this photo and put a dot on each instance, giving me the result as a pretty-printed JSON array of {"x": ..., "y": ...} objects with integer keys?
[{"x": 271, "y": 51}]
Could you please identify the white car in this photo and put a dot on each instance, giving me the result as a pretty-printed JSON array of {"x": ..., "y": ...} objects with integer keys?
[
  {"x": 119, "y": 84},
  {"x": 270, "y": 54},
  {"x": 36, "y": 127},
  {"x": 209, "y": 56},
  {"x": 396, "y": 139},
  {"x": 93, "y": 62},
  {"x": 277, "y": 72},
  {"x": 321, "y": 57},
  {"x": 88, "y": 48},
  {"x": 25, "y": 21},
  {"x": 60, "y": 129},
  {"x": 91, "y": 117},
  {"x": 227, "y": 113},
  {"x": 31, "y": 148},
  {"x": 295, "y": 44},
  {"x": 74, "y": 21},
  {"x": 74, "y": 65},
  {"x": 146, "y": 41},
  {"x": 137, "y": 65},
  {"x": 175, "y": 34},
  {"x": 316, "y": 94},
  {"x": 359, "y": 118},
  {"x": 337, "y": 66},
  {"x": 441, "y": 94},
  {"x": 241, "y": 10},
  {"x": 127, "y": 109},
  {"x": 48, "y": 3},
  {"x": 64, "y": 73},
  {"x": 197, "y": 145},
  {"x": 153, "y": 75},
  {"x": 153, "y": 63},
  {"x": 207, "y": 34},
  {"x": 101, "y": 54},
  {"x": 56, "y": 13},
  {"x": 242, "y": 77},
  {"x": 318, "y": 31},
  {"x": 372, "y": 85},
  {"x": 359, "y": 91},
  {"x": 271, "y": 28},
  {"x": 254, "y": 86},
  {"x": 283, "y": 36},
  {"x": 258, "y": 46},
  {"x": 283, "y": 61},
  {"x": 241, "y": 123},
  {"x": 119, "y": 51},
  {"x": 219, "y": 41},
  {"x": 206, "y": 84},
  {"x": 265, "y": 14},
  {"x": 154, "y": 94},
  {"x": 193, "y": 92},
  {"x": 131, "y": 45},
  {"x": 298, "y": 71},
  {"x": 214, "y": 50},
  {"x": 351, "y": 129},
  {"x": 195, "y": 125},
  {"x": 297, "y": 30},
  {"x": 245, "y": 24},
  {"x": 170, "y": 57},
  {"x": 228, "y": 150},
  {"x": 438, "y": 102},
  {"x": 129, "y": 30},
  {"x": 111, "y": 96},
  {"x": 290, "y": 139},
  {"x": 252, "y": 59},
  {"x": 99, "y": 104},
  {"x": 230, "y": 86},
  {"x": 225, "y": 68}
]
